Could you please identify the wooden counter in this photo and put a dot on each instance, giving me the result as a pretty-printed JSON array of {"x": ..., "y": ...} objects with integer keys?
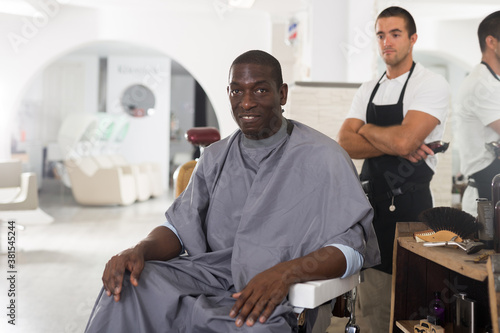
[
  {"x": 452, "y": 258},
  {"x": 419, "y": 271}
]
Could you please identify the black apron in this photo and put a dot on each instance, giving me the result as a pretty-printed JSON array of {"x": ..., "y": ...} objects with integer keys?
[
  {"x": 482, "y": 179},
  {"x": 394, "y": 182}
]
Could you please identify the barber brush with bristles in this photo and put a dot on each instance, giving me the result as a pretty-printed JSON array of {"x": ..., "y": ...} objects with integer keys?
[{"x": 450, "y": 219}]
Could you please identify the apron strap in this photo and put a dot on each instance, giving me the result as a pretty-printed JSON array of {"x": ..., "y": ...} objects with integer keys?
[
  {"x": 400, "y": 100},
  {"x": 491, "y": 70}
]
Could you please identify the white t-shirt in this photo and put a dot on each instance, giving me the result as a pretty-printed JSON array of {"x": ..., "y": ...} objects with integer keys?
[
  {"x": 478, "y": 104},
  {"x": 426, "y": 91}
]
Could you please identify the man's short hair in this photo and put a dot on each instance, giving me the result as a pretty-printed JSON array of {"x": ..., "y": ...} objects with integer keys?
[
  {"x": 395, "y": 11},
  {"x": 258, "y": 57},
  {"x": 490, "y": 26}
]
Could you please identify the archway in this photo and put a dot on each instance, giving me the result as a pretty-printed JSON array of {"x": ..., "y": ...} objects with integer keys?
[{"x": 92, "y": 79}]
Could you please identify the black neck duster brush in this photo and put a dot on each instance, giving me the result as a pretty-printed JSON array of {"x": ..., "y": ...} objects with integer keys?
[{"x": 449, "y": 219}]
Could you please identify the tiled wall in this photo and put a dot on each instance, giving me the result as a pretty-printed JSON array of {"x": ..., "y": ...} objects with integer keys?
[{"x": 324, "y": 106}]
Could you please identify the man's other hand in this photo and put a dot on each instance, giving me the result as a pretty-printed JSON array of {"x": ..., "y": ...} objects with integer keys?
[
  {"x": 419, "y": 154},
  {"x": 260, "y": 297},
  {"x": 132, "y": 260}
]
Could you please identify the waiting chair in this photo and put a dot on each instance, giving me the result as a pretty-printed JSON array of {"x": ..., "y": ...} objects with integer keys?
[
  {"x": 93, "y": 185},
  {"x": 302, "y": 296},
  {"x": 19, "y": 195},
  {"x": 138, "y": 173},
  {"x": 150, "y": 169},
  {"x": 18, "y": 190}
]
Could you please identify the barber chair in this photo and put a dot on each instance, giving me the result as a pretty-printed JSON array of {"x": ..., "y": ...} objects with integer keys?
[
  {"x": 200, "y": 137},
  {"x": 302, "y": 296}
]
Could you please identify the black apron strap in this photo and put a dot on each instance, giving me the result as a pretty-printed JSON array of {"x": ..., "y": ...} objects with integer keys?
[
  {"x": 400, "y": 101},
  {"x": 403, "y": 90},
  {"x": 491, "y": 70}
]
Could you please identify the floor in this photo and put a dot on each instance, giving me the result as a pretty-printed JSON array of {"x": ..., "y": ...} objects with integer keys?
[{"x": 59, "y": 265}]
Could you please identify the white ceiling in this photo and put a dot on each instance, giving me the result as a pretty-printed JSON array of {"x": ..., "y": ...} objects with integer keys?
[
  {"x": 278, "y": 9},
  {"x": 444, "y": 9}
]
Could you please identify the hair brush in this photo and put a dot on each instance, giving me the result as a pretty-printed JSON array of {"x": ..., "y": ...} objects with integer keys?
[
  {"x": 446, "y": 221},
  {"x": 451, "y": 219}
]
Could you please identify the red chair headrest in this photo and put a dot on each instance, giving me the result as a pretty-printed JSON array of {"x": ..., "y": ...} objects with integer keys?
[{"x": 202, "y": 136}]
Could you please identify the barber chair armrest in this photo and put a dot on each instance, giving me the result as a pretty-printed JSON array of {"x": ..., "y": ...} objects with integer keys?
[{"x": 312, "y": 294}]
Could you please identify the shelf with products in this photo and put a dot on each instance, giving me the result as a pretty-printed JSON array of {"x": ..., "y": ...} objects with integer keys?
[{"x": 419, "y": 272}]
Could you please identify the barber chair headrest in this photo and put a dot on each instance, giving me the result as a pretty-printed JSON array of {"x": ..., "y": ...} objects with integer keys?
[{"x": 202, "y": 136}]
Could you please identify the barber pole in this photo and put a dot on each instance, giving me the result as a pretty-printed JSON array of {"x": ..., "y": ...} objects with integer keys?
[{"x": 292, "y": 32}]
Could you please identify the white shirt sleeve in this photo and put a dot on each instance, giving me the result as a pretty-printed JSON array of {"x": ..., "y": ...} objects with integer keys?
[
  {"x": 360, "y": 103},
  {"x": 353, "y": 258},
  {"x": 485, "y": 103},
  {"x": 171, "y": 227},
  {"x": 432, "y": 96}
]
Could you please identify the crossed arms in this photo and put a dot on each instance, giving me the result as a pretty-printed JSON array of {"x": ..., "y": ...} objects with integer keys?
[{"x": 362, "y": 140}]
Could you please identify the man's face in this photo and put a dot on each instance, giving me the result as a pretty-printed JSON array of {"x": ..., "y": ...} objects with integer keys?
[
  {"x": 393, "y": 41},
  {"x": 256, "y": 100}
]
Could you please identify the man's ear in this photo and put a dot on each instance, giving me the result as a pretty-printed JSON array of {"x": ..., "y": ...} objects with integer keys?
[
  {"x": 491, "y": 42},
  {"x": 413, "y": 39},
  {"x": 283, "y": 93}
]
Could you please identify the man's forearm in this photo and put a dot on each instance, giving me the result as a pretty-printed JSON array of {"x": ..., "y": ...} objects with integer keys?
[
  {"x": 357, "y": 146},
  {"x": 326, "y": 263},
  {"x": 160, "y": 244},
  {"x": 391, "y": 140},
  {"x": 267, "y": 289},
  {"x": 403, "y": 139}
]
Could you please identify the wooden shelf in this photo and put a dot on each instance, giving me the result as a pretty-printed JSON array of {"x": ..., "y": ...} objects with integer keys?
[
  {"x": 452, "y": 258},
  {"x": 406, "y": 325},
  {"x": 419, "y": 271}
]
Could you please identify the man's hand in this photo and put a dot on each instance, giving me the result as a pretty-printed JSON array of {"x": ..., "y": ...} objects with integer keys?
[
  {"x": 267, "y": 290},
  {"x": 420, "y": 153},
  {"x": 160, "y": 244},
  {"x": 132, "y": 260},
  {"x": 261, "y": 296}
]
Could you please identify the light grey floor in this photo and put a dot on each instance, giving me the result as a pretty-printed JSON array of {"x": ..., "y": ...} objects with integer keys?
[{"x": 59, "y": 265}]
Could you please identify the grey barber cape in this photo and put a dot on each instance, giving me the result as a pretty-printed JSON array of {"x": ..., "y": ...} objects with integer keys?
[{"x": 250, "y": 204}]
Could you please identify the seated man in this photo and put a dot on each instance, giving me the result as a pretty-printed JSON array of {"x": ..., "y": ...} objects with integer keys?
[{"x": 273, "y": 204}]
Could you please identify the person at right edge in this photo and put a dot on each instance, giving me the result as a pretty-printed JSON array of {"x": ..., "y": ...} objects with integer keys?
[
  {"x": 478, "y": 117},
  {"x": 390, "y": 121}
]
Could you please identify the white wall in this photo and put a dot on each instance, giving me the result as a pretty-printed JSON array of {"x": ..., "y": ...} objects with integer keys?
[
  {"x": 147, "y": 137},
  {"x": 195, "y": 37},
  {"x": 203, "y": 41},
  {"x": 182, "y": 106}
]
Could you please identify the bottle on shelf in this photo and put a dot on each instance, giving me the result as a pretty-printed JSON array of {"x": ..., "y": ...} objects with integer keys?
[
  {"x": 485, "y": 217},
  {"x": 436, "y": 310},
  {"x": 495, "y": 198}
]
